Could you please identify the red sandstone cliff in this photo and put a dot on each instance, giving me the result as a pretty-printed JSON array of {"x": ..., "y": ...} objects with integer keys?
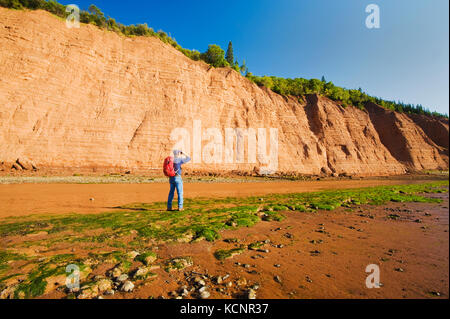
[{"x": 87, "y": 98}]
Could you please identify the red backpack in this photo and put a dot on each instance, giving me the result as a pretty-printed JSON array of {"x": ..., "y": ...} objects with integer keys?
[{"x": 168, "y": 168}]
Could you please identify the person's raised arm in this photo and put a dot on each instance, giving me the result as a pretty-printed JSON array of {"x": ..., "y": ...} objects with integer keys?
[{"x": 186, "y": 159}]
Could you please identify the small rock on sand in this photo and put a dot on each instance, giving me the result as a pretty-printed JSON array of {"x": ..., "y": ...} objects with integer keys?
[
  {"x": 205, "y": 295},
  {"x": 128, "y": 286},
  {"x": 122, "y": 278},
  {"x": 104, "y": 285},
  {"x": 251, "y": 294}
]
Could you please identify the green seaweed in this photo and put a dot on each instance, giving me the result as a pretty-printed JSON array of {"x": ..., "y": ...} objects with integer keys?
[
  {"x": 143, "y": 257},
  {"x": 223, "y": 254},
  {"x": 144, "y": 224}
]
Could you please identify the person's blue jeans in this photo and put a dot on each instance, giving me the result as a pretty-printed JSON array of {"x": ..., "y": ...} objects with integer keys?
[{"x": 175, "y": 183}]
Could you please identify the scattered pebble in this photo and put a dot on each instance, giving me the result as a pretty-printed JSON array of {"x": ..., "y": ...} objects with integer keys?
[
  {"x": 110, "y": 292},
  {"x": 231, "y": 240},
  {"x": 133, "y": 254},
  {"x": 200, "y": 282},
  {"x": 184, "y": 292},
  {"x": 251, "y": 294},
  {"x": 205, "y": 295},
  {"x": 122, "y": 278},
  {"x": 436, "y": 293},
  {"x": 128, "y": 286},
  {"x": 104, "y": 285},
  {"x": 241, "y": 282},
  {"x": 116, "y": 272}
]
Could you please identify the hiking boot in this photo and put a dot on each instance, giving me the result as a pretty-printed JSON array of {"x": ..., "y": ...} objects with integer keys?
[{"x": 169, "y": 209}]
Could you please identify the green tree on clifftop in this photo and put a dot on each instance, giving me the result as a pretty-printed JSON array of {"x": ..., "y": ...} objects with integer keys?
[
  {"x": 230, "y": 54},
  {"x": 215, "y": 56},
  {"x": 243, "y": 68},
  {"x": 97, "y": 16}
]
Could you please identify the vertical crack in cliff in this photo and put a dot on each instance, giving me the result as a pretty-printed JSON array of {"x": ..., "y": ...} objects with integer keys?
[
  {"x": 312, "y": 113},
  {"x": 138, "y": 129},
  {"x": 390, "y": 135}
]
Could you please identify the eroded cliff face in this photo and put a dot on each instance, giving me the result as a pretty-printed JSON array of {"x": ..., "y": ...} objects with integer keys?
[{"x": 86, "y": 98}]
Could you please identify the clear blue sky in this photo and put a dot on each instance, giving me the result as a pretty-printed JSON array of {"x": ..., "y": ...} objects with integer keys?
[{"x": 407, "y": 59}]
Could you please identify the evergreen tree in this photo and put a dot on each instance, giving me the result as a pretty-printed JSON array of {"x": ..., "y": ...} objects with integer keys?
[
  {"x": 230, "y": 54},
  {"x": 236, "y": 66}
]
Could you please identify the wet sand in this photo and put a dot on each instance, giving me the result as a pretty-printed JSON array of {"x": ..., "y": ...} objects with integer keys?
[
  {"x": 413, "y": 257},
  {"x": 323, "y": 255},
  {"x": 30, "y": 199}
]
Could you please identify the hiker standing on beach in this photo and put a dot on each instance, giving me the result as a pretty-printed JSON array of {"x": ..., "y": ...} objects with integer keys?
[{"x": 172, "y": 169}]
